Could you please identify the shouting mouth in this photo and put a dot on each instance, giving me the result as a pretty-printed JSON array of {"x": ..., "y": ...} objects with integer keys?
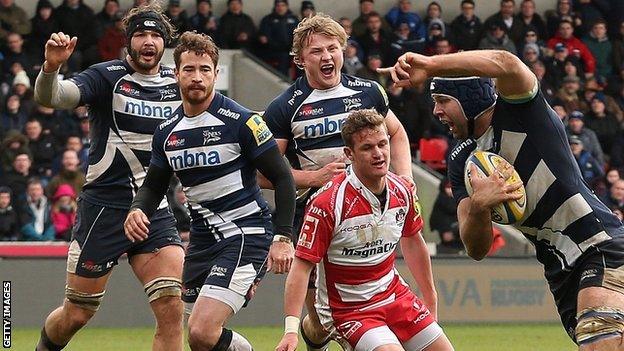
[{"x": 327, "y": 70}]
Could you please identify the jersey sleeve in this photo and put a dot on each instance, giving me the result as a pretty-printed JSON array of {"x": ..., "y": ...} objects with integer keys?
[
  {"x": 456, "y": 177},
  {"x": 316, "y": 233},
  {"x": 413, "y": 220},
  {"x": 92, "y": 85},
  {"x": 278, "y": 121},
  {"x": 159, "y": 158},
  {"x": 382, "y": 104},
  {"x": 255, "y": 136}
]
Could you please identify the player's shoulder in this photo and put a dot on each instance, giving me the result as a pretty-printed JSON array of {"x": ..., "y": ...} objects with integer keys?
[
  {"x": 291, "y": 98},
  {"x": 166, "y": 71},
  {"x": 230, "y": 112},
  {"x": 461, "y": 150},
  {"x": 166, "y": 126},
  {"x": 327, "y": 196},
  {"x": 399, "y": 183},
  {"x": 367, "y": 86},
  {"x": 110, "y": 69}
]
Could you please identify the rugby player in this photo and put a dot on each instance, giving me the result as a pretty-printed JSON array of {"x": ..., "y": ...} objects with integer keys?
[
  {"x": 214, "y": 146},
  {"x": 351, "y": 229},
  {"x": 576, "y": 237},
  {"x": 306, "y": 120},
  {"x": 127, "y": 99}
]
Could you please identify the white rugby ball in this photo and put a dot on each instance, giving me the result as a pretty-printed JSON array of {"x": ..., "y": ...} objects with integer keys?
[{"x": 486, "y": 162}]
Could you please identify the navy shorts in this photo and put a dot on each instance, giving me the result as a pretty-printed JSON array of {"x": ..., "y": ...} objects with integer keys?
[
  {"x": 228, "y": 271},
  {"x": 98, "y": 238},
  {"x": 595, "y": 268}
]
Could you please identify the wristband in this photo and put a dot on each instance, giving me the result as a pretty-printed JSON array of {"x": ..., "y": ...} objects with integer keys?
[
  {"x": 291, "y": 324},
  {"x": 282, "y": 238}
]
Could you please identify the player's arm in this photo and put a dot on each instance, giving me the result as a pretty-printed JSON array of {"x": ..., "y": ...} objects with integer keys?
[
  {"x": 49, "y": 91},
  {"x": 416, "y": 257},
  {"x": 146, "y": 202},
  {"x": 514, "y": 79},
  {"x": 400, "y": 155},
  {"x": 294, "y": 298}
]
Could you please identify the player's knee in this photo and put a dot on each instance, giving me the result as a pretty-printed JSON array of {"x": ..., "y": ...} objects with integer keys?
[
  {"x": 599, "y": 325},
  {"x": 203, "y": 336},
  {"x": 313, "y": 328},
  {"x": 77, "y": 316}
]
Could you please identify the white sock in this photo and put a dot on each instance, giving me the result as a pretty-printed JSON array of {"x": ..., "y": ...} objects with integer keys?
[{"x": 239, "y": 343}]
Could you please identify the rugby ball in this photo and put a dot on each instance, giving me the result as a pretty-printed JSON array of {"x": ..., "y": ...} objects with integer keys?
[{"x": 486, "y": 162}]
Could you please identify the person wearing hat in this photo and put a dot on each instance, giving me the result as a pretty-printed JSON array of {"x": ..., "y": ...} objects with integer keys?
[
  {"x": 591, "y": 169},
  {"x": 9, "y": 221},
  {"x": 576, "y": 127},
  {"x": 275, "y": 36},
  {"x": 512, "y": 119},
  {"x": 569, "y": 93},
  {"x": 307, "y": 9},
  {"x": 236, "y": 28},
  {"x": 497, "y": 38},
  {"x": 128, "y": 99},
  {"x": 204, "y": 21},
  {"x": 63, "y": 211},
  {"x": 466, "y": 28},
  {"x": 602, "y": 121}
]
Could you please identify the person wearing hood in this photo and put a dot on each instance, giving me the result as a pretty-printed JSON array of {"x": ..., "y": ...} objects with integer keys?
[
  {"x": 13, "y": 19},
  {"x": 43, "y": 25},
  {"x": 63, "y": 212},
  {"x": 496, "y": 38},
  {"x": 467, "y": 27},
  {"x": 276, "y": 36}
]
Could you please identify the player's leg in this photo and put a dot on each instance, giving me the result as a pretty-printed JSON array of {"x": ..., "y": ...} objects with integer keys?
[
  {"x": 312, "y": 332},
  {"x": 160, "y": 273},
  {"x": 600, "y": 324},
  {"x": 82, "y": 300},
  {"x": 157, "y": 263},
  {"x": 206, "y": 327}
]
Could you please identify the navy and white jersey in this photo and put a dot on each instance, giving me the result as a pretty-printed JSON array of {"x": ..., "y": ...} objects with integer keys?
[
  {"x": 563, "y": 217},
  {"x": 125, "y": 109},
  {"x": 212, "y": 155},
  {"x": 312, "y": 118}
]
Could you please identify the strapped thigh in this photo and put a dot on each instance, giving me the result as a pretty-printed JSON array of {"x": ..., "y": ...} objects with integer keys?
[
  {"x": 597, "y": 323},
  {"x": 83, "y": 300},
  {"x": 163, "y": 286}
]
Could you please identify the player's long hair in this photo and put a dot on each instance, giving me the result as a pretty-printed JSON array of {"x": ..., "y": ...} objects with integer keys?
[
  {"x": 317, "y": 24},
  {"x": 153, "y": 7},
  {"x": 198, "y": 43}
]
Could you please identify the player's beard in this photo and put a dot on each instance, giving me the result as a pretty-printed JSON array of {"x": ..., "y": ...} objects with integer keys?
[
  {"x": 191, "y": 95},
  {"x": 136, "y": 58}
]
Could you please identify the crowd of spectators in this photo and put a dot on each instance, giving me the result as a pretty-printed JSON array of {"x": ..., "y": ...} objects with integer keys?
[{"x": 576, "y": 50}]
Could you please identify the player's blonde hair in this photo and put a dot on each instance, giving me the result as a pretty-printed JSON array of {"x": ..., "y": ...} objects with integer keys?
[
  {"x": 360, "y": 120},
  {"x": 198, "y": 43},
  {"x": 317, "y": 24}
]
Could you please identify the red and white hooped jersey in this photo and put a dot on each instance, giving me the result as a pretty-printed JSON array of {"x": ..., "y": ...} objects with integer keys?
[{"x": 352, "y": 237}]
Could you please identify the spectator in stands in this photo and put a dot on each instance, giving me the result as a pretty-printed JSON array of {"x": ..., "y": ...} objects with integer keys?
[
  {"x": 403, "y": 13},
  {"x": 85, "y": 127},
  {"x": 506, "y": 16},
  {"x": 204, "y": 21},
  {"x": 36, "y": 223},
  {"x": 555, "y": 66},
  {"x": 618, "y": 212},
  {"x": 236, "y": 29},
  {"x": 178, "y": 18},
  {"x": 530, "y": 54},
  {"x": 43, "y": 148},
  {"x": 568, "y": 93},
  {"x": 352, "y": 63},
  {"x": 13, "y": 118},
  {"x": 70, "y": 173},
  {"x": 565, "y": 36},
  {"x": 63, "y": 211},
  {"x": 16, "y": 53},
  {"x": 377, "y": 40},
  {"x": 443, "y": 220},
  {"x": 73, "y": 142},
  {"x": 411, "y": 106},
  {"x": 360, "y": 24},
  {"x": 9, "y": 220},
  {"x": 43, "y": 25},
  {"x": 373, "y": 63},
  {"x": 22, "y": 89},
  {"x": 549, "y": 91},
  {"x": 602, "y": 122},
  {"x": 13, "y": 19},
  {"x": 406, "y": 41},
  {"x": 576, "y": 127},
  {"x": 557, "y": 106},
  {"x": 615, "y": 198},
  {"x": 435, "y": 31},
  {"x": 529, "y": 19},
  {"x": 592, "y": 88},
  {"x": 531, "y": 37},
  {"x": 17, "y": 177},
  {"x": 591, "y": 169},
  {"x": 466, "y": 28},
  {"x": 497, "y": 38},
  {"x": 276, "y": 36},
  {"x": 601, "y": 48},
  {"x": 563, "y": 12},
  {"x": 603, "y": 187},
  {"x": 307, "y": 9},
  {"x": 78, "y": 20},
  {"x": 347, "y": 25},
  {"x": 106, "y": 18},
  {"x": 57, "y": 123},
  {"x": 443, "y": 46},
  {"x": 113, "y": 43},
  {"x": 434, "y": 13},
  {"x": 573, "y": 68},
  {"x": 590, "y": 11}
]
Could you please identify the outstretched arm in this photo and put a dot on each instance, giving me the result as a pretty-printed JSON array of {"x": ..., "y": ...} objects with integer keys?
[{"x": 513, "y": 78}]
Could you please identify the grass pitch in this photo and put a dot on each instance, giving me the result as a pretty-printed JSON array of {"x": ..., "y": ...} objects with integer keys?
[{"x": 465, "y": 337}]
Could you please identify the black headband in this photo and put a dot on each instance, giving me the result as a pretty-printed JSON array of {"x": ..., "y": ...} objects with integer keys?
[{"x": 147, "y": 21}]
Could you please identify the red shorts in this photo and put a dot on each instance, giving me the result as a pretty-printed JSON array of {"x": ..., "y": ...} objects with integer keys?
[{"x": 406, "y": 321}]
